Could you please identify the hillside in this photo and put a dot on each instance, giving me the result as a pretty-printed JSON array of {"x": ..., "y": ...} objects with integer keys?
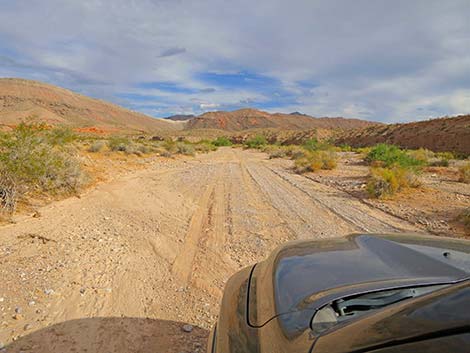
[
  {"x": 20, "y": 99},
  {"x": 245, "y": 119},
  {"x": 443, "y": 134}
]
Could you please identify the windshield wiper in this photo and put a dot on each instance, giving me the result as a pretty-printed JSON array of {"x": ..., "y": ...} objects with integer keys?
[{"x": 351, "y": 307}]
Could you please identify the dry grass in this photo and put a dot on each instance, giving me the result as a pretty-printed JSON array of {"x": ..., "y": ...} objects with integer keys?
[
  {"x": 464, "y": 173},
  {"x": 316, "y": 160},
  {"x": 465, "y": 217}
]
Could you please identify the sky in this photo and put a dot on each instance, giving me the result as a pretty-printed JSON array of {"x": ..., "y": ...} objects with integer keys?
[{"x": 382, "y": 60}]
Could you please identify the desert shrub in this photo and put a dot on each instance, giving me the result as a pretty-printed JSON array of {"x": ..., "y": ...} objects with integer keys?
[
  {"x": 96, "y": 146},
  {"x": 445, "y": 155},
  {"x": 465, "y": 217},
  {"x": 166, "y": 154},
  {"x": 256, "y": 142},
  {"x": 311, "y": 144},
  {"x": 8, "y": 192},
  {"x": 422, "y": 155},
  {"x": 314, "y": 145},
  {"x": 169, "y": 145},
  {"x": 363, "y": 150},
  {"x": 61, "y": 135},
  {"x": 204, "y": 147},
  {"x": 185, "y": 148},
  {"x": 386, "y": 182},
  {"x": 314, "y": 161},
  {"x": 464, "y": 173},
  {"x": 117, "y": 143},
  {"x": 295, "y": 152},
  {"x": 277, "y": 152},
  {"x": 141, "y": 148},
  {"x": 345, "y": 148},
  {"x": 441, "y": 162},
  {"x": 32, "y": 162},
  {"x": 384, "y": 155},
  {"x": 222, "y": 141}
]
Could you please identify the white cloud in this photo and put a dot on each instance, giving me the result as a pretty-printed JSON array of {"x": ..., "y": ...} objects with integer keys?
[{"x": 379, "y": 59}]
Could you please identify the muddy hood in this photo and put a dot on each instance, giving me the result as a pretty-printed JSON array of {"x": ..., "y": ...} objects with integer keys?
[{"x": 301, "y": 277}]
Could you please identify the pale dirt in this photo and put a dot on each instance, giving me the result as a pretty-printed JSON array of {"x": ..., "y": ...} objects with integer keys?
[{"x": 125, "y": 266}]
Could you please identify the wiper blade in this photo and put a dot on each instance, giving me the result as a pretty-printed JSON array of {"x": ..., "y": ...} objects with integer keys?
[
  {"x": 375, "y": 301},
  {"x": 351, "y": 307}
]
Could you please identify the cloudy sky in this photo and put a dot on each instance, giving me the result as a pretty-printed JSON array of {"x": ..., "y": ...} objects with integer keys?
[{"x": 381, "y": 60}]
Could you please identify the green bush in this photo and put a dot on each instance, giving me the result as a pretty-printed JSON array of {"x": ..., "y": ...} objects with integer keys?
[
  {"x": 314, "y": 145},
  {"x": 386, "y": 182},
  {"x": 464, "y": 173},
  {"x": 311, "y": 144},
  {"x": 61, "y": 135},
  {"x": 30, "y": 159},
  {"x": 257, "y": 142},
  {"x": 384, "y": 155},
  {"x": 222, "y": 141}
]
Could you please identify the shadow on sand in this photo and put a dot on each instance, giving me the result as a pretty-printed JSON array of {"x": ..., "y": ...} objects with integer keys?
[{"x": 112, "y": 335}]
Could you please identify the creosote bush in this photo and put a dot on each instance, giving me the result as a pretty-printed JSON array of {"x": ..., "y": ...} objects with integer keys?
[{"x": 36, "y": 158}]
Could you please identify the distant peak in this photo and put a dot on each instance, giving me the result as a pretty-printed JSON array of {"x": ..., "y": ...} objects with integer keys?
[{"x": 297, "y": 113}]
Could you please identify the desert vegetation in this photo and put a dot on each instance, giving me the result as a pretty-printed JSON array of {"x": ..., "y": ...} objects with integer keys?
[
  {"x": 464, "y": 173},
  {"x": 393, "y": 169},
  {"x": 37, "y": 160},
  {"x": 311, "y": 156}
]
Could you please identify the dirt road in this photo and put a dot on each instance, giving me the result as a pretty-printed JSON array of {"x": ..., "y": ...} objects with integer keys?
[{"x": 125, "y": 266}]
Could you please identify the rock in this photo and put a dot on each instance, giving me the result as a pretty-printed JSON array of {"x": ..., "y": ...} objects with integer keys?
[
  {"x": 82, "y": 290},
  {"x": 2, "y": 345},
  {"x": 2, "y": 299},
  {"x": 48, "y": 291},
  {"x": 18, "y": 310},
  {"x": 27, "y": 327},
  {"x": 187, "y": 328},
  {"x": 31, "y": 303},
  {"x": 17, "y": 316}
]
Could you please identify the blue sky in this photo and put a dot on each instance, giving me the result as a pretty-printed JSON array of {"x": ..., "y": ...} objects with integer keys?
[{"x": 381, "y": 60}]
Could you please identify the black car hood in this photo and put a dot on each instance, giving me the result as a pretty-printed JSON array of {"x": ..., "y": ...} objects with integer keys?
[{"x": 303, "y": 276}]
